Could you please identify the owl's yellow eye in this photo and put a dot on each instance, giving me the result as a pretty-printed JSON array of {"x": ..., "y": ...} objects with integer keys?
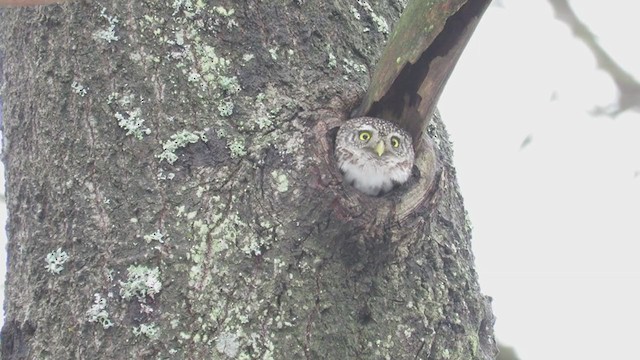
[
  {"x": 364, "y": 135},
  {"x": 395, "y": 142}
]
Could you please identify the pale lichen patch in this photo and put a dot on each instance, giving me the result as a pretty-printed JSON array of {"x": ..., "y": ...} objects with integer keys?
[
  {"x": 248, "y": 57},
  {"x": 381, "y": 24},
  {"x": 141, "y": 282},
  {"x": 228, "y": 344},
  {"x": 133, "y": 123},
  {"x": 78, "y": 88},
  {"x": 350, "y": 67},
  {"x": 274, "y": 53},
  {"x": 151, "y": 331},
  {"x": 98, "y": 312},
  {"x": 332, "y": 63},
  {"x": 154, "y": 236},
  {"x": 55, "y": 260},
  {"x": 109, "y": 33},
  {"x": 280, "y": 179},
  {"x": 225, "y": 108},
  {"x": 180, "y": 140},
  {"x": 237, "y": 147}
]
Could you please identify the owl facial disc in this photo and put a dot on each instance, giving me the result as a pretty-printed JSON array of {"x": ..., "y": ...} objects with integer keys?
[{"x": 374, "y": 154}]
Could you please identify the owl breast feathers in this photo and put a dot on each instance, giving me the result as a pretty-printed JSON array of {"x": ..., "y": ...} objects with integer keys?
[{"x": 374, "y": 154}]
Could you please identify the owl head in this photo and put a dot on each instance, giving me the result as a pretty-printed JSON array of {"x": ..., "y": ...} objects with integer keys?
[{"x": 374, "y": 154}]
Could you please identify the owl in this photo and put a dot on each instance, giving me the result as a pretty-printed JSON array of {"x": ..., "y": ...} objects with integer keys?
[{"x": 374, "y": 154}]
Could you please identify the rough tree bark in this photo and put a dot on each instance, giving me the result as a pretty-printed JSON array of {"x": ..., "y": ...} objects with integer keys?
[{"x": 180, "y": 155}]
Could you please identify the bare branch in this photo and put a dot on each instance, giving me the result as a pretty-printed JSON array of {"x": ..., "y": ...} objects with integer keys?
[{"x": 628, "y": 87}]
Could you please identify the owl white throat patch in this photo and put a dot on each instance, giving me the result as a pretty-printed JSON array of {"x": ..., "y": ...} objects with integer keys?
[{"x": 374, "y": 155}]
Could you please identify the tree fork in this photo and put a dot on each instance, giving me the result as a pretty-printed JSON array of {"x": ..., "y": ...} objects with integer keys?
[{"x": 181, "y": 156}]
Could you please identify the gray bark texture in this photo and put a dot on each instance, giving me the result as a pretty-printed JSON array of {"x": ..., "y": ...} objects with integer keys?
[{"x": 180, "y": 154}]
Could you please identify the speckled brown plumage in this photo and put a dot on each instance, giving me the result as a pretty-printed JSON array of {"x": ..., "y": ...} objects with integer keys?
[{"x": 374, "y": 154}]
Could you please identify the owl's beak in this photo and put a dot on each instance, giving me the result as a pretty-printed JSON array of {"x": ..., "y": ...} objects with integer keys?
[{"x": 379, "y": 148}]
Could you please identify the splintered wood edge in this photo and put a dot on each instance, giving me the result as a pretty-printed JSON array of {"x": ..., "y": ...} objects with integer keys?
[{"x": 422, "y": 191}]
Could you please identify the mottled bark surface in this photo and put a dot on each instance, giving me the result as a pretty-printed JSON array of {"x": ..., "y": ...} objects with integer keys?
[{"x": 181, "y": 156}]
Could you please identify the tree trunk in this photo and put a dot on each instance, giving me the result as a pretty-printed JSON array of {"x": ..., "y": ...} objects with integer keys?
[{"x": 172, "y": 192}]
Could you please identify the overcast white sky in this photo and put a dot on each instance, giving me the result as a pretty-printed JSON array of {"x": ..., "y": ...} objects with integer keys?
[{"x": 556, "y": 224}]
